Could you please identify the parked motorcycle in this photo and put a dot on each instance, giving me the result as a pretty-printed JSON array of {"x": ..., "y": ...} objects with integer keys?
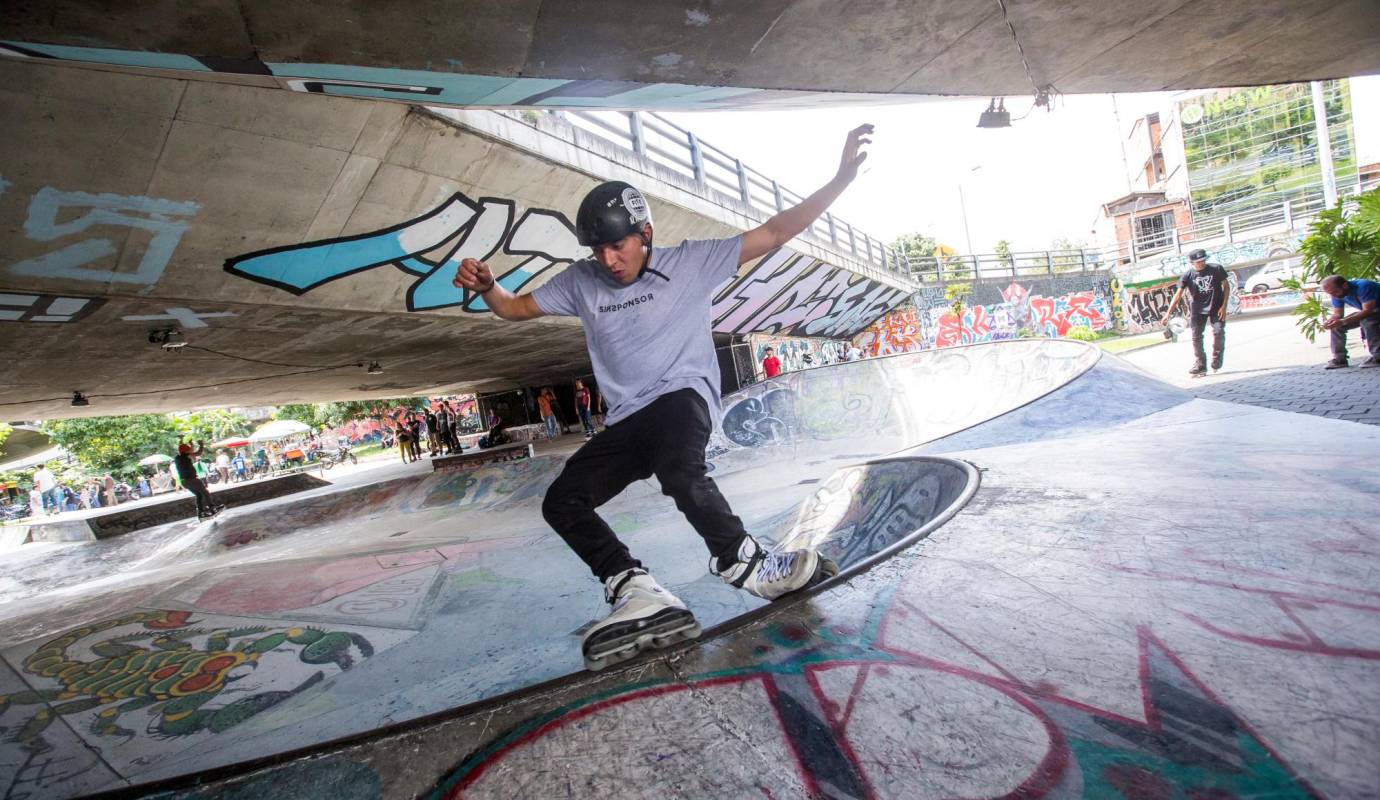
[{"x": 329, "y": 460}]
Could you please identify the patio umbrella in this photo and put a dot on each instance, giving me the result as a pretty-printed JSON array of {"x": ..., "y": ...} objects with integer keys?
[
  {"x": 155, "y": 459},
  {"x": 278, "y": 429},
  {"x": 233, "y": 441}
]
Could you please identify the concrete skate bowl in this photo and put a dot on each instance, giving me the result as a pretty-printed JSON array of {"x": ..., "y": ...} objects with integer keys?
[{"x": 429, "y": 597}]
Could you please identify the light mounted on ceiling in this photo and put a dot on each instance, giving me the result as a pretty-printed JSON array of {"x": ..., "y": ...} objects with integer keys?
[
  {"x": 996, "y": 115},
  {"x": 79, "y": 400}
]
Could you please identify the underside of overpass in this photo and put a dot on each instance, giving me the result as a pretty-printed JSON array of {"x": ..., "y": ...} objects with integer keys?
[{"x": 221, "y": 169}]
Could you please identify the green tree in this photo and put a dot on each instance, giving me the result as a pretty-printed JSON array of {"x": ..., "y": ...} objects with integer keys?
[
  {"x": 1004, "y": 253},
  {"x": 211, "y": 425},
  {"x": 918, "y": 249},
  {"x": 1338, "y": 243},
  {"x": 5, "y": 431},
  {"x": 115, "y": 444},
  {"x": 1066, "y": 255}
]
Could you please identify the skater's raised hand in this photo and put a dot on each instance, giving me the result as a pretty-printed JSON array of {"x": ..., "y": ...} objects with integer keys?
[
  {"x": 853, "y": 157},
  {"x": 474, "y": 275}
]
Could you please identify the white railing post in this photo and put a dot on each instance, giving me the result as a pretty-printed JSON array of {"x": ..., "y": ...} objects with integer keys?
[
  {"x": 776, "y": 192},
  {"x": 833, "y": 232},
  {"x": 1289, "y": 215},
  {"x": 1226, "y": 227},
  {"x": 696, "y": 158},
  {"x": 742, "y": 182},
  {"x": 639, "y": 142}
]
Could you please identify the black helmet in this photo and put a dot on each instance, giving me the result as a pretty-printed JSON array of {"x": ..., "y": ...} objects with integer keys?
[{"x": 610, "y": 212}]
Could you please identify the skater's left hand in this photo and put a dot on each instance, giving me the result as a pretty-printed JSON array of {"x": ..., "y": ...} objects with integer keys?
[{"x": 852, "y": 158}]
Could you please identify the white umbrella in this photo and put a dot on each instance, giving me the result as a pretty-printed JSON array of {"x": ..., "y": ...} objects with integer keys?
[
  {"x": 278, "y": 429},
  {"x": 155, "y": 459}
]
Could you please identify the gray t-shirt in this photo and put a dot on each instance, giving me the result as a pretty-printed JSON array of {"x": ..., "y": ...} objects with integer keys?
[{"x": 652, "y": 337}]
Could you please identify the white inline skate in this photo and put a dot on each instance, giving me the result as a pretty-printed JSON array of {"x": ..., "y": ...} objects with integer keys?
[
  {"x": 771, "y": 575},
  {"x": 645, "y": 616}
]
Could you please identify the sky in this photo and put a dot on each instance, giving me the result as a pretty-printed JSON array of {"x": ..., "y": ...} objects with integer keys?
[{"x": 1043, "y": 178}]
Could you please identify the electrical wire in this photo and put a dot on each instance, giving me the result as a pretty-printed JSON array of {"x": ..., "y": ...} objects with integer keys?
[
  {"x": 260, "y": 361},
  {"x": 1019, "y": 49}
]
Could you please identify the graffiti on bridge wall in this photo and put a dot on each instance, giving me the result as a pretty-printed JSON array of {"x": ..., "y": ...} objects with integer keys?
[
  {"x": 1020, "y": 314},
  {"x": 795, "y": 295},
  {"x": 899, "y": 331},
  {"x": 795, "y": 352},
  {"x": 73, "y": 222}
]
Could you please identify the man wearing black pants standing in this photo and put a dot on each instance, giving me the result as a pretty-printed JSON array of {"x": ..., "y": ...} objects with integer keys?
[
  {"x": 1209, "y": 286},
  {"x": 647, "y": 314}
]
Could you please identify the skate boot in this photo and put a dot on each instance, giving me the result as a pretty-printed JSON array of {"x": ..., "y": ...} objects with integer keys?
[
  {"x": 1198, "y": 371},
  {"x": 770, "y": 575},
  {"x": 645, "y": 616}
]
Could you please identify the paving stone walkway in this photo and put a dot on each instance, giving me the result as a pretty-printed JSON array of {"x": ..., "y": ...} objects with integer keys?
[
  {"x": 1352, "y": 393},
  {"x": 1270, "y": 364}
]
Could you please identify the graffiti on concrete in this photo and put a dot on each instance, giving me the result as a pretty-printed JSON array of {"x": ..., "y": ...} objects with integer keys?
[
  {"x": 459, "y": 228},
  {"x": 796, "y": 352},
  {"x": 186, "y": 318},
  {"x": 1146, "y": 306},
  {"x": 899, "y": 331},
  {"x": 445, "y": 87},
  {"x": 174, "y": 678},
  {"x": 51, "y": 219},
  {"x": 785, "y": 293},
  {"x": 25, "y": 307},
  {"x": 761, "y": 420},
  {"x": 792, "y": 294},
  {"x": 837, "y": 706},
  {"x": 1280, "y": 298},
  {"x": 1020, "y": 313}
]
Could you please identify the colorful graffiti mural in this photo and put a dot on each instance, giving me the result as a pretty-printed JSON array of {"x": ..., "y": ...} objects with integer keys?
[
  {"x": 785, "y": 292},
  {"x": 796, "y": 352},
  {"x": 898, "y": 331},
  {"x": 1022, "y": 314}
]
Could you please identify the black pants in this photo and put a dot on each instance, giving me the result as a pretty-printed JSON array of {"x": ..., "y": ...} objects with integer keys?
[
  {"x": 1370, "y": 326},
  {"x": 197, "y": 487},
  {"x": 666, "y": 439},
  {"x": 1219, "y": 338}
]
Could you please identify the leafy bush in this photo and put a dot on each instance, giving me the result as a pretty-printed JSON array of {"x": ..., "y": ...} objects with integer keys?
[
  {"x": 1341, "y": 241},
  {"x": 1080, "y": 333}
]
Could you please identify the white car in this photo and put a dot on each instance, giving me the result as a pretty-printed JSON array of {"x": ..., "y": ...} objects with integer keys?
[{"x": 1275, "y": 273}]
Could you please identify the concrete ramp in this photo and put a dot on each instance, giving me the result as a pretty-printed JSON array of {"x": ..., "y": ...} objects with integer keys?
[{"x": 376, "y": 605}]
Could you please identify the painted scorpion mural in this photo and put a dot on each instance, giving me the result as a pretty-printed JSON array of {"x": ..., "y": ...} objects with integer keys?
[{"x": 171, "y": 676}]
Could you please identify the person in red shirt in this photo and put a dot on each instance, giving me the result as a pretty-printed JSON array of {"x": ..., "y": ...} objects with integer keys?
[{"x": 771, "y": 364}]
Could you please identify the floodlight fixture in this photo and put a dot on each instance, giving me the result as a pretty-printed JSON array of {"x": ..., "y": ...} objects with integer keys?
[{"x": 996, "y": 115}]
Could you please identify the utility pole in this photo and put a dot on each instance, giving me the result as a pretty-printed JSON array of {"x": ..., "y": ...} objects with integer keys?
[
  {"x": 1329, "y": 179},
  {"x": 963, "y": 207}
]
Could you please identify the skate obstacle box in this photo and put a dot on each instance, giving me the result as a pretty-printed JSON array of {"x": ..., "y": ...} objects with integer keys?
[
  {"x": 480, "y": 458},
  {"x": 179, "y": 505}
]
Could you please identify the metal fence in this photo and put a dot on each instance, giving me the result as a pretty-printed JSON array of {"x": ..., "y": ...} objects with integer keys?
[
  {"x": 714, "y": 170},
  {"x": 679, "y": 150}
]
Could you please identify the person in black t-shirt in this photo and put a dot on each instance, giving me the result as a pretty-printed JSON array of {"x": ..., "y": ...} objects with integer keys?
[
  {"x": 186, "y": 470},
  {"x": 1208, "y": 286}
]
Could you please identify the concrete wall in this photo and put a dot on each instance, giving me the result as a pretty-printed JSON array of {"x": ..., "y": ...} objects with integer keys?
[{"x": 339, "y": 223}]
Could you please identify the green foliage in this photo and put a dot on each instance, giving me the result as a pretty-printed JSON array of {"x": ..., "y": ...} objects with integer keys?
[
  {"x": 1004, "y": 252},
  {"x": 918, "y": 249},
  {"x": 212, "y": 425},
  {"x": 1081, "y": 334},
  {"x": 4, "y": 434},
  {"x": 319, "y": 415},
  {"x": 1338, "y": 243},
  {"x": 1066, "y": 255},
  {"x": 957, "y": 291},
  {"x": 115, "y": 444}
]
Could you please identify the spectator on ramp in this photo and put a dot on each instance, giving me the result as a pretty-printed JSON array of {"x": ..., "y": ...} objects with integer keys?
[
  {"x": 1362, "y": 295},
  {"x": 646, "y": 313},
  {"x": 771, "y": 365},
  {"x": 582, "y": 405}
]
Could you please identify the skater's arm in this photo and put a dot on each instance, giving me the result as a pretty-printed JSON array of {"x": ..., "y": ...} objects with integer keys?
[
  {"x": 476, "y": 276},
  {"x": 789, "y": 223},
  {"x": 1173, "y": 304}
]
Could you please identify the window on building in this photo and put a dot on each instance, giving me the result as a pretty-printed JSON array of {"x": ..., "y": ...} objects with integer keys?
[{"x": 1155, "y": 231}]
